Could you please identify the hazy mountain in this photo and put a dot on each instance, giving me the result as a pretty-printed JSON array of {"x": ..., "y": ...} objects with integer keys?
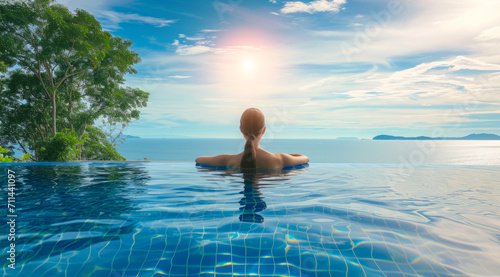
[{"x": 468, "y": 137}]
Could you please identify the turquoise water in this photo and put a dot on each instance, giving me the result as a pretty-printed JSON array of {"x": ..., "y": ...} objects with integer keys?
[
  {"x": 471, "y": 152},
  {"x": 172, "y": 219}
]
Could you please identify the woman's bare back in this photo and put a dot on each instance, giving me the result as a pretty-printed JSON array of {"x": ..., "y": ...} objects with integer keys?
[{"x": 264, "y": 159}]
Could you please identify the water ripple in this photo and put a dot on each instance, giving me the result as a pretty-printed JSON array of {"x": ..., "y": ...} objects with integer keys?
[{"x": 327, "y": 220}]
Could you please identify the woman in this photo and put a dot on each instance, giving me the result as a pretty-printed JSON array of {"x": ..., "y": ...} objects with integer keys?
[{"x": 252, "y": 126}]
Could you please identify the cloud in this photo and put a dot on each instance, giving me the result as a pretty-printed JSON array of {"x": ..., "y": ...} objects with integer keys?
[
  {"x": 446, "y": 82},
  {"x": 179, "y": 77},
  {"x": 193, "y": 50},
  {"x": 186, "y": 50},
  {"x": 489, "y": 34},
  {"x": 195, "y": 38},
  {"x": 313, "y": 7},
  {"x": 425, "y": 96},
  {"x": 203, "y": 43},
  {"x": 112, "y": 19},
  {"x": 385, "y": 35}
]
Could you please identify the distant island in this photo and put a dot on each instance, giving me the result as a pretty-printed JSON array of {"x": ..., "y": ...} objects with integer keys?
[
  {"x": 129, "y": 136},
  {"x": 469, "y": 137}
]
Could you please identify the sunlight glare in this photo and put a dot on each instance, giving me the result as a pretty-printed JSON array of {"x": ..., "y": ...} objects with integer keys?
[{"x": 248, "y": 65}]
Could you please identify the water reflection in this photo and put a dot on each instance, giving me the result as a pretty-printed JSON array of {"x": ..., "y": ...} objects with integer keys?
[{"x": 252, "y": 201}]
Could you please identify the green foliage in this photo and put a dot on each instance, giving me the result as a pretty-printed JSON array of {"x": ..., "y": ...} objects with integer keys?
[
  {"x": 98, "y": 147},
  {"x": 3, "y": 67},
  {"x": 64, "y": 72},
  {"x": 67, "y": 146},
  {"x": 63, "y": 147},
  {"x": 25, "y": 158},
  {"x": 5, "y": 159}
]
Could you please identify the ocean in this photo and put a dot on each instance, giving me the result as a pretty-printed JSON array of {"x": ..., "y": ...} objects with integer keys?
[{"x": 405, "y": 153}]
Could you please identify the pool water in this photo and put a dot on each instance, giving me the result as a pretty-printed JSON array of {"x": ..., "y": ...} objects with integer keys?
[{"x": 173, "y": 219}]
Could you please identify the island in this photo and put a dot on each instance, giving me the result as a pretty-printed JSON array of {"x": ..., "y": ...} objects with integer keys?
[
  {"x": 129, "y": 136},
  {"x": 468, "y": 137}
]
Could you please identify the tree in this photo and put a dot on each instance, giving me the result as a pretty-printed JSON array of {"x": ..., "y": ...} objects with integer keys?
[
  {"x": 65, "y": 73},
  {"x": 62, "y": 147}
]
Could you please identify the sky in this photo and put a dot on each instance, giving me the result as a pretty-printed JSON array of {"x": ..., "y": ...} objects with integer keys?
[{"x": 317, "y": 69}]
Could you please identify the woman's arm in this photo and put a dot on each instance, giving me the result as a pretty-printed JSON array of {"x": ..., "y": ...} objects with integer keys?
[
  {"x": 219, "y": 160},
  {"x": 293, "y": 159}
]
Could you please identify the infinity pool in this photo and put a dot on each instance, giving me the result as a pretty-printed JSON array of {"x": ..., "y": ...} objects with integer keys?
[{"x": 173, "y": 219}]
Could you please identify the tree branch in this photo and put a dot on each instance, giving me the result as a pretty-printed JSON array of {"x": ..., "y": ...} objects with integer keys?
[
  {"x": 20, "y": 144},
  {"x": 70, "y": 75},
  {"x": 83, "y": 132},
  {"x": 46, "y": 122},
  {"x": 51, "y": 78}
]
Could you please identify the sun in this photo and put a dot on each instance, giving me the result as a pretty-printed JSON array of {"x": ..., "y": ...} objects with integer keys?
[{"x": 248, "y": 65}]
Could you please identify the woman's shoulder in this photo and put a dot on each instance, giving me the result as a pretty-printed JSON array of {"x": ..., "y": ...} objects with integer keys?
[
  {"x": 267, "y": 159},
  {"x": 234, "y": 160},
  {"x": 264, "y": 159}
]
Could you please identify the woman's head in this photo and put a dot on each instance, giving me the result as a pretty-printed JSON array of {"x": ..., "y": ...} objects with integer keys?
[
  {"x": 252, "y": 122},
  {"x": 252, "y": 125}
]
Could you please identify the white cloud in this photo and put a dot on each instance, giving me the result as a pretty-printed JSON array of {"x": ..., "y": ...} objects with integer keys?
[
  {"x": 195, "y": 38},
  {"x": 193, "y": 50},
  {"x": 179, "y": 77},
  {"x": 210, "y": 30},
  {"x": 312, "y": 7},
  {"x": 465, "y": 28},
  {"x": 424, "y": 97},
  {"x": 201, "y": 49},
  {"x": 433, "y": 83},
  {"x": 489, "y": 34},
  {"x": 176, "y": 42},
  {"x": 112, "y": 19}
]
